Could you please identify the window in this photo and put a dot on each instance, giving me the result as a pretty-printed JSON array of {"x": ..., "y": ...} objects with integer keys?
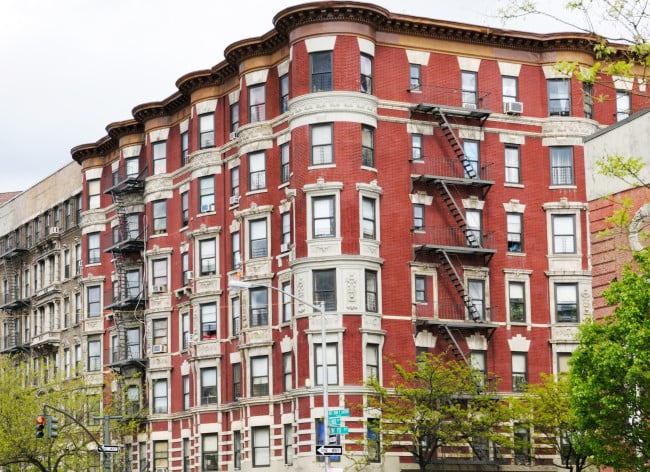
[
  {"x": 366, "y": 74},
  {"x": 623, "y": 106},
  {"x": 564, "y": 234},
  {"x": 286, "y": 302},
  {"x": 325, "y": 288},
  {"x": 160, "y": 454},
  {"x": 478, "y": 361},
  {"x": 259, "y": 307},
  {"x": 234, "y": 182},
  {"x": 368, "y": 218},
  {"x": 93, "y": 301},
  {"x": 559, "y": 97},
  {"x": 94, "y": 355},
  {"x": 509, "y": 88},
  {"x": 77, "y": 308},
  {"x": 159, "y": 153},
  {"x": 94, "y": 196},
  {"x": 236, "y": 381},
  {"x": 468, "y": 81},
  {"x": 522, "y": 445},
  {"x": 287, "y": 372},
  {"x": 160, "y": 216},
  {"x": 185, "y": 148},
  {"x": 332, "y": 362},
  {"x": 321, "y": 144},
  {"x": 286, "y": 231},
  {"x": 588, "y": 100},
  {"x": 515, "y": 232},
  {"x": 236, "y": 250},
  {"x": 207, "y": 256},
  {"x": 256, "y": 103},
  {"x": 261, "y": 446},
  {"x": 159, "y": 279},
  {"x": 285, "y": 171},
  {"x": 159, "y": 329},
  {"x": 372, "y": 361},
  {"x": 206, "y": 193},
  {"x": 208, "y": 386},
  {"x": 236, "y": 449},
  {"x": 513, "y": 164},
  {"x": 206, "y": 130},
  {"x": 476, "y": 289},
  {"x": 209, "y": 451},
  {"x": 258, "y": 238},
  {"x": 371, "y": 291},
  {"x": 323, "y": 217},
  {"x": 234, "y": 117},
  {"x": 287, "y": 436},
  {"x": 420, "y": 289},
  {"x": 208, "y": 320},
  {"x": 185, "y": 331},
  {"x": 471, "y": 150},
  {"x": 320, "y": 65},
  {"x": 517, "y": 302},
  {"x": 160, "y": 396},
  {"x": 284, "y": 93},
  {"x": 561, "y": 165},
  {"x": 186, "y": 454},
  {"x": 415, "y": 77},
  {"x": 519, "y": 371},
  {"x": 93, "y": 248},
  {"x": 566, "y": 303},
  {"x": 257, "y": 171},
  {"x": 185, "y": 268},
  {"x": 418, "y": 216},
  {"x": 416, "y": 147},
  {"x": 473, "y": 230},
  {"x": 373, "y": 443},
  {"x": 367, "y": 146},
  {"x": 563, "y": 362},
  {"x": 259, "y": 376}
]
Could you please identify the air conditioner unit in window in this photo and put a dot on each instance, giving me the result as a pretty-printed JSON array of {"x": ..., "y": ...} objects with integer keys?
[
  {"x": 513, "y": 108},
  {"x": 54, "y": 230},
  {"x": 189, "y": 275},
  {"x": 234, "y": 200},
  {"x": 205, "y": 208},
  {"x": 233, "y": 135},
  {"x": 159, "y": 348},
  {"x": 284, "y": 247},
  {"x": 469, "y": 106},
  {"x": 159, "y": 288}
]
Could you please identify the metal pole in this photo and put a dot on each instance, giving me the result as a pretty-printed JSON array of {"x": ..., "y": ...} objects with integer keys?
[{"x": 326, "y": 420}]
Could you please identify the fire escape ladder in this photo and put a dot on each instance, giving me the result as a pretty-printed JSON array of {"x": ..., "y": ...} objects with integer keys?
[
  {"x": 451, "y": 272},
  {"x": 454, "y": 142},
  {"x": 118, "y": 256},
  {"x": 451, "y": 341},
  {"x": 456, "y": 213}
]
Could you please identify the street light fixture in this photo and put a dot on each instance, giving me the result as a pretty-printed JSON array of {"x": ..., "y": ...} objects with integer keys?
[{"x": 321, "y": 308}]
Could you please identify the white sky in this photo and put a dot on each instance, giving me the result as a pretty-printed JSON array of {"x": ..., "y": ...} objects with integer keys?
[{"x": 71, "y": 67}]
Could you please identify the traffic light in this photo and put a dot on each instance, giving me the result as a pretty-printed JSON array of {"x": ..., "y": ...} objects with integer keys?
[
  {"x": 52, "y": 427},
  {"x": 40, "y": 426}
]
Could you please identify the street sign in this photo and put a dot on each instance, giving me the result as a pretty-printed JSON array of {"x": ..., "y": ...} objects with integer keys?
[
  {"x": 332, "y": 439},
  {"x": 340, "y": 412},
  {"x": 339, "y": 430},
  {"x": 108, "y": 448},
  {"x": 329, "y": 450},
  {"x": 334, "y": 421}
]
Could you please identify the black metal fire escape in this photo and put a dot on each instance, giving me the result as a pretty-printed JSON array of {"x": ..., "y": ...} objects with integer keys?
[{"x": 13, "y": 303}]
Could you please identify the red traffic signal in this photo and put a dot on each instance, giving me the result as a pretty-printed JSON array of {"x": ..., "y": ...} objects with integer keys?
[{"x": 40, "y": 426}]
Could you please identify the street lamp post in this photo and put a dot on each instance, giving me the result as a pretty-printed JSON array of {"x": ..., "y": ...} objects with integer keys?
[{"x": 321, "y": 308}]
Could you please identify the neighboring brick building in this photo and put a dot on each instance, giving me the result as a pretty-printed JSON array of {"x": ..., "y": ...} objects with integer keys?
[
  {"x": 424, "y": 179},
  {"x": 611, "y": 245}
]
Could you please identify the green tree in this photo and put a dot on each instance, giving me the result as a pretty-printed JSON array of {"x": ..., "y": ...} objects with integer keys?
[
  {"x": 610, "y": 373},
  {"x": 433, "y": 403},
  {"x": 545, "y": 409},
  {"x": 23, "y": 394}
]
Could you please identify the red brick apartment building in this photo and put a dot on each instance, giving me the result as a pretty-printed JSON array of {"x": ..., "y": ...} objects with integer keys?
[{"x": 423, "y": 179}]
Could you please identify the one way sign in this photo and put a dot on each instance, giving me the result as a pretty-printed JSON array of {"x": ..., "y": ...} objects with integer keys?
[{"x": 329, "y": 450}]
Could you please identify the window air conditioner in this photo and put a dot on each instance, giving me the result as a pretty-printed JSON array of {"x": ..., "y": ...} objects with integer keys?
[
  {"x": 54, "y": 230},
  {"x": 284, "y": 247},
  {"x": 206, "y": 208},
  {"x": 159, "y": 288},
  {"x": 469, "y": 106},
  {"x": 513, "y": 108},
  {"x": 234, "y": 200},
  {"x": 189, "y": 275},
  {"x": 158, "y": 348}
]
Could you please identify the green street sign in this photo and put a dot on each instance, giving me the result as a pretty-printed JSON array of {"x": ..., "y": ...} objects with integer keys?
[
  {"x": 339, "y": 430},
  {"x": 339, "y": 412}
]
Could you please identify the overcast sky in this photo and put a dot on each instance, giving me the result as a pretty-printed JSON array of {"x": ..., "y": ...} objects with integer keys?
[{"x": 71, "y": 67}]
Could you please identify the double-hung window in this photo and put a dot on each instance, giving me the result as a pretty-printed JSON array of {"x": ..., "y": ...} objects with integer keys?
[
  {"x": 471, "y": 150},
  {"x": 208, "y": 385},
  {"x": 159, "y": 276},
  {"x": 366, "y": 74},
  {"x": 416, "y": 147},
  {"x": 208, "y": 256},
  {"x": 561, "y": 165},
  {"x": 185, "y": 209},
  {"x": 566, "y": 303},
  {"x": 259, "y": 376},
  {"x": 94, "y": 355},
  {"x": 206, "y": 130},
  {"x": 286, "y": 231},
  {"x": 418, "y": 216},
  {"x": 367, "y": 146},
  {"x": 236, "y": 381},
  {"x": 322, "y": 144},
  {"x": 324, "y": 225},
  {"x": 257, "y": 171},
  {"x": 159, "y": 216},
  {"x": 236, "y": 250},
  {"x": 159, "y": 152},
  {"x": 256, "y": 103},
  {"x": 234, "y": 182},
  {"x": 512, "y": 164},
  {"x": 287, "y": 372},
  {"x": 320, "y": 66},
  {"x": 564, "y": 234},
  {"x": 517, "y": 301},
  {"x": 160, "y": 396},
  {"x": 258, "y": 238},
  {"x": 234, "y": 117},
  {"x": 208, "y": 312},
  {"x": 286, "y": 302},
  {"x": 469, "y": 86},
  {"x": 94, "y": 252},
  {"x": 559, "y": 97},
  {"x": 473, "y": 231},
  {"x": 185, "y": 268},
  {"x": 509, "y": 88},
  {"x": 236, "y": 449},
  {"x": 623, "y": 106},
  {"x": 476, "y": 289},
  {"x": 519, "y": 371},
  {"x": 93, "y": 301},
  {"x": 325, "y": 288},
  {"x": 261, "y": 446},
  {"x": 236, "y": 316},
  {"x": 285, "y": 171},
  {"x": 515, "y": 235},
  {"x": 588, "y": 100},
  {"x": 206, "y": 193},
  {"x": 284, "y": 93},
  {"x": 259, "y": 307},
  {"x": 94, "y": 195},
  {"x": 415, "y": 77},
  {"x": 368, "y": 218},
  {"x": 331, "y": 363},
  {"x": 160, "y": 334},
  {"x": 185, "y": 148},
  {"x": 420, "y": 282},
  {"x": 371, "y": 291},
  {"x": 210, "y": 451},
  {"x": 372, "y": 361},
  {"x": 185, "y": 330}
]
